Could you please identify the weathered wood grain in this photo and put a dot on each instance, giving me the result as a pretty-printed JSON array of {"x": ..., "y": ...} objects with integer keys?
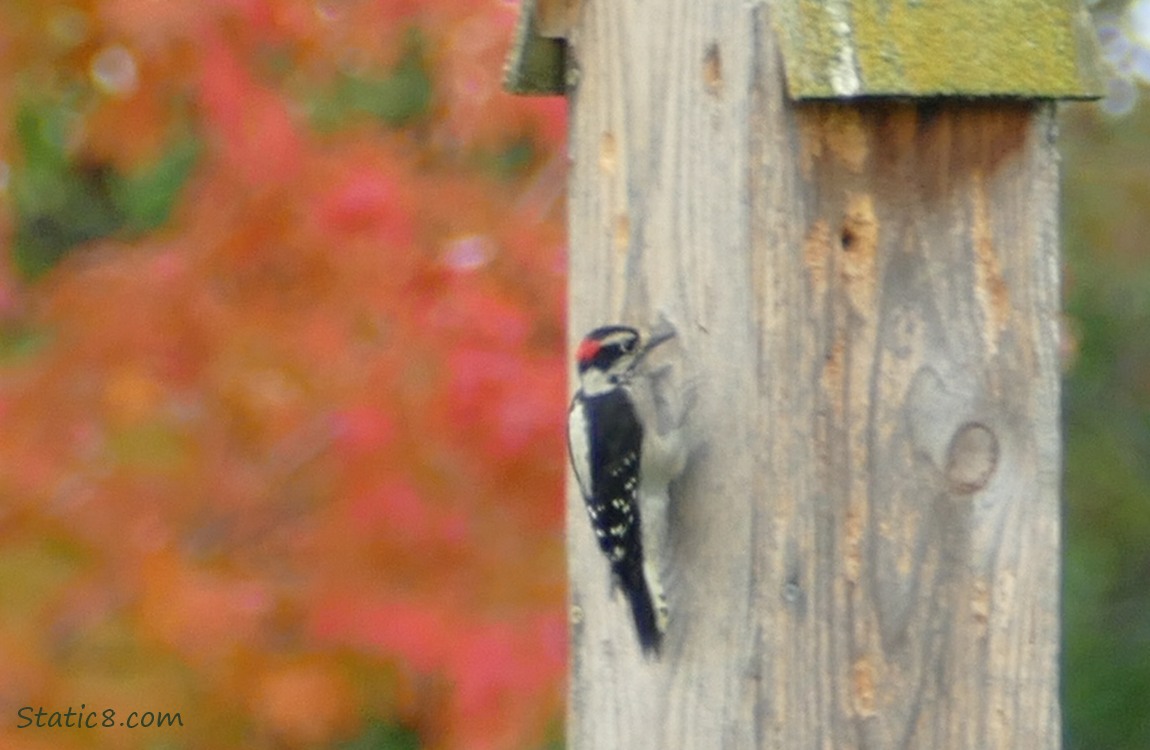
[{"x": 865, "y": 553}]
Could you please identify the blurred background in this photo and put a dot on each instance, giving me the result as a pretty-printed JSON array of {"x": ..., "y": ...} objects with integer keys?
[{"x": 282, "y": 382}]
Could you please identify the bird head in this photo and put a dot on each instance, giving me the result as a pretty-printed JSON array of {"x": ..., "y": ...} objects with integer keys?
[{"x": 609, "y": 354}]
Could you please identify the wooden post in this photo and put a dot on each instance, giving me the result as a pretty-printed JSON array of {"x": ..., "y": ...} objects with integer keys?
[
  {"x": 865, "y": 551},
  {"x": 866, "y": 554}
]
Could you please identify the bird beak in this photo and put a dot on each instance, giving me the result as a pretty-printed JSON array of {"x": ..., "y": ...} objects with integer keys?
[
  {"x": 658, "y": 338},
  {"x": 654, "y": 340}
]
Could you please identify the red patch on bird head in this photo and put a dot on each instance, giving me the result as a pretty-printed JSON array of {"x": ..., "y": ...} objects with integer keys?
[{"x": 587, "y": 350}]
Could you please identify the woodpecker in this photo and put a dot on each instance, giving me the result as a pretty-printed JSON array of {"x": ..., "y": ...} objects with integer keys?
[{"x": 623, "y": 466}]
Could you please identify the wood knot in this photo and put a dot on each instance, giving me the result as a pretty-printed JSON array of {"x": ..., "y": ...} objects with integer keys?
[{"x": 971, "y": 458}]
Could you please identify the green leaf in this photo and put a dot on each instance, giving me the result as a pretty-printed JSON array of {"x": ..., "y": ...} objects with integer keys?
[
  {"x": 62, "y": 202},
  {"x": 398, "y": 98},
  {"x": 146, "y": 199},
  {"x": 380, "y": 736},
  {"x": 78, "y": 210}
]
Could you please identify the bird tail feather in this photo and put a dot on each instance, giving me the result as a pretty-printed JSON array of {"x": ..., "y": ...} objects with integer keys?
[{"x": 647, "y": 607}]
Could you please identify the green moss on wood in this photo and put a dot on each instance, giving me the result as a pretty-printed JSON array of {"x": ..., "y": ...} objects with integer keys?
[
  {"x": 536, "y": 65},
  {"x": 1040, "y": 49}
]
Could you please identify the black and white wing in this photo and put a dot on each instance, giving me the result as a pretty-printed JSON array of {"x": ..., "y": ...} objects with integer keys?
[
  {"x": 605, "y": 440},
  {"x": 579, "y": 445}
]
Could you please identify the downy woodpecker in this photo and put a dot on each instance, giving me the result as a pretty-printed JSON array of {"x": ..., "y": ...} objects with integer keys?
[{"x": 623, "y": 466}]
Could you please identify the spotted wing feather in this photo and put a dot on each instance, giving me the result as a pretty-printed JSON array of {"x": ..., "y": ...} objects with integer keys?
[{"x": 608, "y": 477}]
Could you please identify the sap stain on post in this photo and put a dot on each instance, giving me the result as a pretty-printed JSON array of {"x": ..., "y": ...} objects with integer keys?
[
  {"x": 990, "y": 290},
  {"x": 858, "y": 240},
  {"x": 608, "y": 153},
  {"x": 832, "y": 130},
  {"x": 621, "y": 233},
  {"x": 863, "y": 688},
  {"x": 846, "y": 137},
  {"x": 713, "y": 69},
  {"x": 816, "y": 256}
]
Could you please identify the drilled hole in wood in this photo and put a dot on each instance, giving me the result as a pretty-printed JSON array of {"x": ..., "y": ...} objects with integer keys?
[{"x": 847, "y": 239}]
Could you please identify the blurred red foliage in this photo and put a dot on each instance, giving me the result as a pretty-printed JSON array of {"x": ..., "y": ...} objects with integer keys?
[{"x": 294, "y": 458}]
